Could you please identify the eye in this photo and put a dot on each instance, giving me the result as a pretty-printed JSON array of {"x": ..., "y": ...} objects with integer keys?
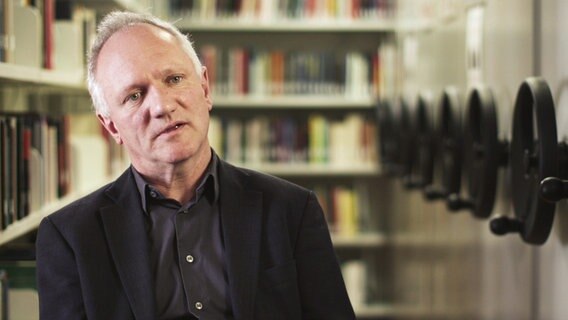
[
  {"x": 175, "y": 79},
  {"x": 135, "y": 96}
]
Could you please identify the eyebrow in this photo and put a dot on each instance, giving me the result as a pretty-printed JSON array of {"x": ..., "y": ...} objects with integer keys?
[{"x": 175, "y": 69}]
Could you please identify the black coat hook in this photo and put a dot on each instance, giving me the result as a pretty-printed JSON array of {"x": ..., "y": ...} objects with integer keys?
[
  {"x": 534, "y": 158},
  {"x": 448, "y": 142},
  {"x": 407, "y": 144},
  {"x": 484, "y": 154},
  {"x": 389, "y": 147},
  {"x": 421, "y": 169}
]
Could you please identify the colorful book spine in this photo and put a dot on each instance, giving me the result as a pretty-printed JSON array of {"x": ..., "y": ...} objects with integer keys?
[
  {"x": 346, "y": 207},
  {"x": 268, "y": 10},
  {"x": 48, "y": 33},
  {"x": 260, "y": 72},
  {"x": 34, "y": 163},
  {"x": 321, "y": 140}
]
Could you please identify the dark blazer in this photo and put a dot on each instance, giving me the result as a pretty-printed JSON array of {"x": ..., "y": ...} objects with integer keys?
[{"x": 93, "y": 256}]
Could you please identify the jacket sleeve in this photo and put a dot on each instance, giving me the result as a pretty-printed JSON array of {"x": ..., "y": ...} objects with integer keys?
[
  {"x": 58, "y": 282},
  {"x": 322, "y": 289}
]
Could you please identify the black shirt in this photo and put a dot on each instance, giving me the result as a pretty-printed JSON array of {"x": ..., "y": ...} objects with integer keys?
[{"x": 186, "y": 250}]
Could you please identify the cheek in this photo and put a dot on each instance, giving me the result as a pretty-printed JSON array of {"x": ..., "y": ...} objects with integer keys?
[
  {"x": 131, "y": 126},
  {"x": 137, "y": 120}
]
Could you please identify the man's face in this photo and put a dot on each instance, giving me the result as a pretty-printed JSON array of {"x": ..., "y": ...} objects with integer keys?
[{"x": 158, "y": 105}]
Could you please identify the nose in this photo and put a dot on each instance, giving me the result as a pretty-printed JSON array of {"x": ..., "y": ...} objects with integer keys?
[{"x": 161, "y": 102}]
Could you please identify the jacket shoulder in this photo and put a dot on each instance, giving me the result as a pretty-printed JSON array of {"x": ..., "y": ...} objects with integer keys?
[
  {"x": 83, "y": 206},
  {"x": 267, "y": 183}
]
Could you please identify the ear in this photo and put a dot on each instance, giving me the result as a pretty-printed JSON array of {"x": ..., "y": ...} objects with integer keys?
[
  {"x": 110, "y": 127},
  {"x": 206, "y": 88}
]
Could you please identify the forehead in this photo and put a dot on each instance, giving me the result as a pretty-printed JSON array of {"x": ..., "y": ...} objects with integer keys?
[
  {"x": 138, "y": 38},
  {"x": 139, "y": 49}
]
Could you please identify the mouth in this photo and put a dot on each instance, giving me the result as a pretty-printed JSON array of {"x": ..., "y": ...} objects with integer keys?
[{"x": 171, "y": 128}]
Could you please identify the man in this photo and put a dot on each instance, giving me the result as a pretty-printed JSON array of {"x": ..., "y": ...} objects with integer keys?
[{"x": 181, "y": 234}]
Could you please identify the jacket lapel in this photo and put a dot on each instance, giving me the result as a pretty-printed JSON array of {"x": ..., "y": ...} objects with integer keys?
[
  {"x": 241, "y": 212},
  {"x": 125, "y": 230}
]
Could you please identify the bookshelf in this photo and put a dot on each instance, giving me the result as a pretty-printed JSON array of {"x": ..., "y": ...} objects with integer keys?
[
  {"x": 31, "y": 221},
  {"x": 268, "y": 41},
  {"x": 290, "y": 25},
  {"x": 41, "y": 91},
  {"x": 293, "y": 102},
  {"x": 366, "y": 33},
  {"x": 11, "y": 74},
  {"x": 104, "y": 6},
  {"x": 369, "y": 240},
  {"x": 314, "y": 170}
]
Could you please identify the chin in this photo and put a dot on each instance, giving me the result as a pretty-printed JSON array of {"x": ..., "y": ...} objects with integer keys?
[
  {"x": 178, "y": 155},
  {"x": 175, "y": 158},
  {"x": 178, "y": 152}
]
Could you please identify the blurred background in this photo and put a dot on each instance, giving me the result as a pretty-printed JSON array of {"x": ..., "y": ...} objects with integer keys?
[{"x": 432, "y": 131}]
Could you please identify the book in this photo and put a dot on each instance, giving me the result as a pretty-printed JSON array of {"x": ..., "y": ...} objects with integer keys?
[
  {"x": 3, "y": 30},
  {"x": 275, "y": 10},
  {"x": 28, "y": 33},
  {"x": 48, "y": 33},
  {"x": 23, "y": 138},
  {"x": 90, "y": 154},
  {"x": 4, "y": 181},
  {"x": 11, "y": 170},
  {"x": 255, "y": 71},
  {"x": 355, "y": 276},
  {"x": 33, "y": 161},
  {"x": 7, "y": 37},
  {"x": 335, "y": 141},
  {"x": 318, "y": 139}
]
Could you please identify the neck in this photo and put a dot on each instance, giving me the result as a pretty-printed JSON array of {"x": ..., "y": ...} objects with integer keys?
[{"x": 179, "y": 181}]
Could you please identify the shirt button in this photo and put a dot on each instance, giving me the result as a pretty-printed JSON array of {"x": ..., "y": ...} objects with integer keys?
[
  {"x": 189, "y": 258},
  {"x": 198, "y": 305},
  {"x": 153, "y": 194}
]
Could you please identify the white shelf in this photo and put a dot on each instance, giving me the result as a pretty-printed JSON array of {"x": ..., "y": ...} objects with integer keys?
[
  {"x": 295, "y": 102},
  {"x": 374, "y": 311},
  {"x": 290, "y": 25},
  {"x": 382, "y": 310},
  {"x": 362, "y": 240},
  {"x": 306, "y": 169},
  {"x": 429, "y": 242},
  {"x": 52, "y": 78},
  {"x": 31, "y": 221},
  {"x": 109, "y": 5},
  {"x": 131, "y": 5}
]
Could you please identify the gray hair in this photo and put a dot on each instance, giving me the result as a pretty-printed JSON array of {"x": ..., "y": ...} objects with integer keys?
[{"x": 114, "y": 22}]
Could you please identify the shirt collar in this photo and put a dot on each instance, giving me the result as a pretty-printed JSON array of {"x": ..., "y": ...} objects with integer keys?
[{"x": 210, "y": 174}]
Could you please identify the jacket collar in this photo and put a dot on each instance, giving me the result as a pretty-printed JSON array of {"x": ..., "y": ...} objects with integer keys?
[
  {"x": 125, "y": 230},
  {"x": 240, "y": 210}
]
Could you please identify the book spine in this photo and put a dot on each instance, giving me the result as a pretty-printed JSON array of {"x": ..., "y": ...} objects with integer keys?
[
  {"x": 261, "y": 72},
  {"x": 3, "y": 173},
  {"x": 34, "y": 163},
  {"x": 267, "y": 10},
  {"x": 48, "y": 32}
]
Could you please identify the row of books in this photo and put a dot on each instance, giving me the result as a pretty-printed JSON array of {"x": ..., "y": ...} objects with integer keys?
[
  {"x": 355, "y": 276},
  {"x": 317, "y": 139},
  {"x": 346, "y": 207},
  {"x": 260, "y": 72},
  {"x": 283, "y": 9},
  {"x": 45, "y": 34},
  {"x": 34, "y": 163},
  {"x": 46, "y": 157}
]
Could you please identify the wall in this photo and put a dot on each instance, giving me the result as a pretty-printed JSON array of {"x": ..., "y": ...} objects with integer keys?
[
  {"x": 552, "y": 258},
  {"x": 498, "y": 277}
]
